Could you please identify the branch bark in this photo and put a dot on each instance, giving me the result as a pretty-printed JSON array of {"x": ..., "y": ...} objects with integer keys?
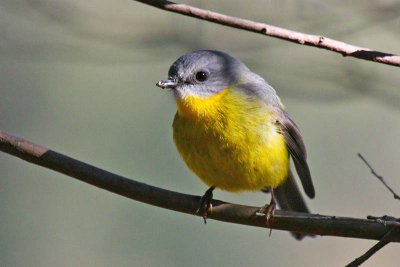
[
  {"x": 222, "y": 211},
  {"x": 346, "y": 50}
]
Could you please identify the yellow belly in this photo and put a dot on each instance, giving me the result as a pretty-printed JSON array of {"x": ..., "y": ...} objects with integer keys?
[{"x": 231, "y": 142}]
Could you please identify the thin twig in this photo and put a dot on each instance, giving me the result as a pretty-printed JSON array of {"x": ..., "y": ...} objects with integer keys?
[
  {"x": 380, "y": 178},
  {"x": 282, "y": 220},
  {"x": 383, "y": 242},
  {"x": 277, "y": 32}
]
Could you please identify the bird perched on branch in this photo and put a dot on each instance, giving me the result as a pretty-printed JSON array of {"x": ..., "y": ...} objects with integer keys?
[{"x": 233, "y": 132}]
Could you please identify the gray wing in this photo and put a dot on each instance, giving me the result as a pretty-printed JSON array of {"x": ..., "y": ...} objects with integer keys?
[
  {"x": 297, "y": 150},
  {"x": 260, "y": 88}
]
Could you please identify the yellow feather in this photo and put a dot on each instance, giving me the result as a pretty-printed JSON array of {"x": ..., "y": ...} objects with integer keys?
[{"x": 231, "y": 141}]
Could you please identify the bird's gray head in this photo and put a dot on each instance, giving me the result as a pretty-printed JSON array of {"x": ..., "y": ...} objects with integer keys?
[
  {"x": 203, "y": 73},
  {"x": 207, "y": 72}
]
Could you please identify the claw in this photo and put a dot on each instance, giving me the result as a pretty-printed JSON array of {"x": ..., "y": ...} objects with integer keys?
[
  {"x": 270, "y": 212},
  {"x": 205, "y": 204},
  {"x": 269, "y": 209}
]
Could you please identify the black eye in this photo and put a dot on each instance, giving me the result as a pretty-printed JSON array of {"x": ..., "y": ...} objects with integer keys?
[{"x": 201, "y": 76}]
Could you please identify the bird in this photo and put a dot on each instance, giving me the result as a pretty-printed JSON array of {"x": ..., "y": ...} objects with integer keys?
[{"x": 232, "y": 130}]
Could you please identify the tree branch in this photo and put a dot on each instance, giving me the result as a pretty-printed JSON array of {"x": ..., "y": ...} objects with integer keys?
[
  {"x": 380, "y": 177},
  {"x": 322, "y": 42},
  {"x": 383, "y": 242},
  {"x": 222, "y": 211}
]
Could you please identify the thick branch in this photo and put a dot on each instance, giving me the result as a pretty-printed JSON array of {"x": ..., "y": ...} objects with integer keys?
[
  {"x": 277, "y": 32},
  {"x": 222, "y": 211}
]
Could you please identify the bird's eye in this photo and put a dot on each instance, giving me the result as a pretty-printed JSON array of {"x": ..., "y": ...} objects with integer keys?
[{"x": 201, "y": 76}]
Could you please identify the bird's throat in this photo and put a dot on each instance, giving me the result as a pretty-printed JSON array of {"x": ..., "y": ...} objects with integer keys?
[{"x": 195, "y": 107}]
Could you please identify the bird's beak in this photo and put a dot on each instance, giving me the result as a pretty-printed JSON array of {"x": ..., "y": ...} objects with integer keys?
[{"x": 167, "y": 84}]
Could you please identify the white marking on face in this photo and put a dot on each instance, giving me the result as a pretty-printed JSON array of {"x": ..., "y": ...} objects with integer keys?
[{"x": 186, "y": 90}]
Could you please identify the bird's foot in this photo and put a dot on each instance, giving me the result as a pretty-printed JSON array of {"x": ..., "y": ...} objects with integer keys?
[
  {"x": 268, "y": 210},
  {"x": 205, "y": 204}
]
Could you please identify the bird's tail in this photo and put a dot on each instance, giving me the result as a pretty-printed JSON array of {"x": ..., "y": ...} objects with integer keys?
[{"x": 290, "y": 198}]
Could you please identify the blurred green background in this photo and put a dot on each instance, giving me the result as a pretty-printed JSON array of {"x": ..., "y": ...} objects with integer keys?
[{"x": 79, "y": 77}]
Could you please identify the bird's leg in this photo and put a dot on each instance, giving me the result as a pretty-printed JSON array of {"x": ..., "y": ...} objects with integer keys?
[
  {"x": 205, "y": 203},
  {"x": 269, "y": 209}
]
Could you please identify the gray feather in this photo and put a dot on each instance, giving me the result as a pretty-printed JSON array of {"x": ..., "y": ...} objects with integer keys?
[
  {"x": 289, "y": 198},
  {"x": 298, "y": 152}
]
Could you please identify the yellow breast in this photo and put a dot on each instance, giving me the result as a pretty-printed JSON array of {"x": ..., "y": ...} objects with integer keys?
[{"x": 231, "y": 141}]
